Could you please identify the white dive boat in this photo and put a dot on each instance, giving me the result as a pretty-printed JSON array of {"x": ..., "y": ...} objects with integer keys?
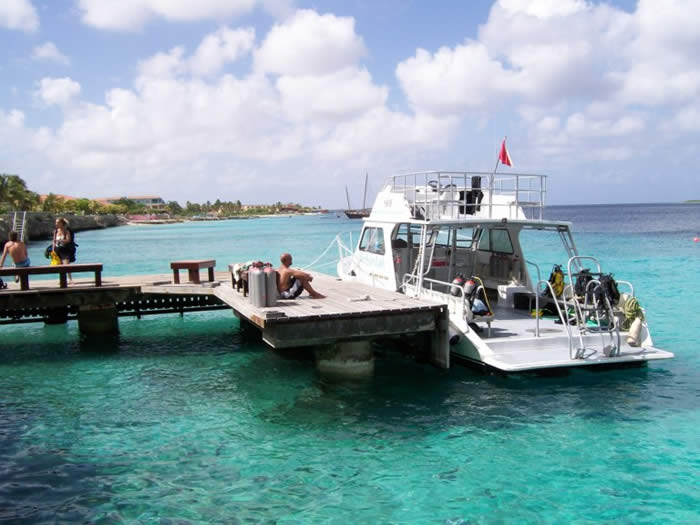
[{"x": 432, "y": 235}]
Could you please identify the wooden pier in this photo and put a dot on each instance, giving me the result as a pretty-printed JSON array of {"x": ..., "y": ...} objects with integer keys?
[{"x": 341, "y": 325}]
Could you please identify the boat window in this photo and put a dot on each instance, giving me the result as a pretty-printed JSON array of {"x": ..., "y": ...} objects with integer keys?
[
  {"x": 400, "y": 236},
  {"x": 372, "y": 241},
  {"x": 495, "y": 240},
  {"x": 443, "y": 237},
  {"x": 407, "y": 235},
  {"x": 465, "y": 237}
]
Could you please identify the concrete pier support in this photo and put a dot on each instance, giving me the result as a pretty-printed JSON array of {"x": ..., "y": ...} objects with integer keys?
[
  {"x": 440, "y": 341},
  {"x": 346, "y": 359},
  {"x": 98, "y": 320}
]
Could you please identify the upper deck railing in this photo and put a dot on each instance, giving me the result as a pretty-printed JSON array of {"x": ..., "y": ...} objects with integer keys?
[{"x": 444, "y": 195}]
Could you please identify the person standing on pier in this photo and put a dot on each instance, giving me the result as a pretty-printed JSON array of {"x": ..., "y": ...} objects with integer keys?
[
  {"x": 290, "y": 283},
  {"x": 17, "y": 250},
  {"x": 64, "y": 243}
]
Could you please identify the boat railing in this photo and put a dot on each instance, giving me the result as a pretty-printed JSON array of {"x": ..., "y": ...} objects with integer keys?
[
  {"x": 539, "y": 274},
  {"x": 436, "y": 195},
  {"x": 455, "y": 290},
  {"x": 562, "y": 316}
]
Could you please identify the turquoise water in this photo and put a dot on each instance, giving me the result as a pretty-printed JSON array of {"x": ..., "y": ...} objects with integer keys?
[{"x": 189, "y": 420}]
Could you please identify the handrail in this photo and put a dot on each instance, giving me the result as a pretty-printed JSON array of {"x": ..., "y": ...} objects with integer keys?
[
  {"x": 627, "y": 283},
  {"x": 433, "y": 190},
  {"x": 564, "y": 319},
  {"x": 410, "y": 277},
  {"x": 539, "y": 275},
  {"x": 578, "y": 259}
]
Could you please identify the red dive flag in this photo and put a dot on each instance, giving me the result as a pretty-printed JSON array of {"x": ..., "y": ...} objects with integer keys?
[{"x": 503, "y": 155}]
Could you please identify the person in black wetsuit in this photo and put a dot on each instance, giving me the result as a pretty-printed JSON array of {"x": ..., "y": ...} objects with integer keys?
[{"x": 63, "y": 243}]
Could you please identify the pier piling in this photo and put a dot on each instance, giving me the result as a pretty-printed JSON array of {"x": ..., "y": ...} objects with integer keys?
[{"x": 98, "y": 319}]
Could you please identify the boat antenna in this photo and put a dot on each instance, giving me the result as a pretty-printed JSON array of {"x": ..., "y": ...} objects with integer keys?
[
  {"x": 364, "y": 199},
  {"x": 347, "y": 196}
]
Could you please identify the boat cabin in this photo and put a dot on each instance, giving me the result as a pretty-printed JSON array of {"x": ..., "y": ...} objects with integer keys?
[{"x": 450, "y": 225}]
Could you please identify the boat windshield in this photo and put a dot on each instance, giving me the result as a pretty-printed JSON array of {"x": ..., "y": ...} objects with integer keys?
[{"x": 543, "y": 249}]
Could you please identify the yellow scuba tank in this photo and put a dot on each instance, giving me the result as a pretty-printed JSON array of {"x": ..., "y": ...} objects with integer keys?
[{"x": 556, "y": 279}]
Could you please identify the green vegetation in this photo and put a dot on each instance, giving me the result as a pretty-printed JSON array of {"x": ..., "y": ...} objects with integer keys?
[
  {"x": 231, "y": 209},
  {"x": 695, "y": 201},
  {"x": 14, "y": 195}
]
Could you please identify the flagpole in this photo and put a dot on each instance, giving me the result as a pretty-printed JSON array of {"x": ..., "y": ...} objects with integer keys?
[
  {"x": 499, "y": 156},
  {"x": 493, "y": 178}
]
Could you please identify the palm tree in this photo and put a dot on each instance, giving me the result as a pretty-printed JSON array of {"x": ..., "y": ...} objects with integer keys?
[{"x": 14, "y": 192}]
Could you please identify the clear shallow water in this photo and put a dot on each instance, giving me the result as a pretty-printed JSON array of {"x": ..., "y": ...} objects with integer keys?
[{"x": 187, "y": 420}]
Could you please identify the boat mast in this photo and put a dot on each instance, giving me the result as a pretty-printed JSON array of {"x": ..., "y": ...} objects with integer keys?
[
  {"x": 364, "y": 199},
  {"x": 347, "y": 196}
]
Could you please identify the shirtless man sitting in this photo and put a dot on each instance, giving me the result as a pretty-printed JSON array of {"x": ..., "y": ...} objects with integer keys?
[
  {"x": 290, "y": 283},
  {"x": 17, "y": 250}
]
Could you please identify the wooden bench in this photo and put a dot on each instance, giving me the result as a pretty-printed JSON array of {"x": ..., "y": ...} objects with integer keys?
[
  {"x": 193, "y": 268},
  {"x": 61, "y": 269}
]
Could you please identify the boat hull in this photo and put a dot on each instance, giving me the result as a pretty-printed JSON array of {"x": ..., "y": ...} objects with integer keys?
[
  {"x": 546, "y": 353},
  {"x": 357, "y": 214}
]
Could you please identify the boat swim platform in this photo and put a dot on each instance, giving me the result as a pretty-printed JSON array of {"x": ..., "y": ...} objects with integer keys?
[{"x": 349, "y": 312}]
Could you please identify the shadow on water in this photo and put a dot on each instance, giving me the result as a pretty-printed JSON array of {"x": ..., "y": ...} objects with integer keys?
[
  {"x": 404, "y": 396},
  {"x": 39, "y": 485}
]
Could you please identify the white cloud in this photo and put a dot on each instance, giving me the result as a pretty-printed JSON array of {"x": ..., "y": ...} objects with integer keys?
[
  {"x": 57, "y": 90},
  {"x": 213, "y": 52},
  {"x": 548, "y": 124},
  {"x": 384, "y": 132},
  {"x": 183, "y": 118},
  {"x": 543, "y": 8},
  {"x": 130, "y": 15},
  {"x": 310, "y": 44},
  {"x": 218, "y": 48},
  {"x": 579, "y": 124},
  {"x": 12, "y": 119},
  {"x": 340, "y": 95},
  {"x": 453, "y": 80},
  {"x": 576, "y": 86},
  {"x": 18, "y": 14},
  {"x": 686, "y": 119},
  {"x": 50, "y": 53}
]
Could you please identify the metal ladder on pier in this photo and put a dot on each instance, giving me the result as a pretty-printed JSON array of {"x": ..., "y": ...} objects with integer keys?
[{"x": 19, "y": 220}]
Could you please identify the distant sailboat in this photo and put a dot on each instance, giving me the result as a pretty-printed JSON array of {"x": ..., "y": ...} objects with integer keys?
[{"x": 363, "y": 212}]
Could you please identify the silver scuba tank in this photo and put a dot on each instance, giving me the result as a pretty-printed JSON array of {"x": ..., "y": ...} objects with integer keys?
[
  {"x": 469, "y": 287},
  {"x": 270, "y": 286},
  {"x": 256, "y": 287}
]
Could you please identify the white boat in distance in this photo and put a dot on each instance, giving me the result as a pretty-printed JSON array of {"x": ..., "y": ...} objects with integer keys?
[{"x": 445, "y": 237}]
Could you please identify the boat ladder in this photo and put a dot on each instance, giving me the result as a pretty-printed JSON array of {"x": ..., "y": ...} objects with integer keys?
[
  {"x": 594, "y": 316},
  {"x": 19, "y": 220}
]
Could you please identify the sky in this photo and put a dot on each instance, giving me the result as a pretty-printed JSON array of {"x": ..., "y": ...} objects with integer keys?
[{"x": 289, "y": 100}]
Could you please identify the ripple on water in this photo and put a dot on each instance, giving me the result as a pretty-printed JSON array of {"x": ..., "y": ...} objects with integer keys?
[{"x": 188, "y": 420}]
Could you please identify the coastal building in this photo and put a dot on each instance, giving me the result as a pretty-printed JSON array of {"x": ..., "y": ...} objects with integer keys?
[
  {"x": 153, "y": 202},
  {"x": 43, "y": 197}
]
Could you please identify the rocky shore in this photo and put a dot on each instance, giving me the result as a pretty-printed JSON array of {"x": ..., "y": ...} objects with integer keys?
[{"x": 40, "y": 225}]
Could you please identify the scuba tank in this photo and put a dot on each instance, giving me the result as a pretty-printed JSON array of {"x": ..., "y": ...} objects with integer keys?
[
  {"x": 256, "y": 286},
  {"x": 457, "y": 284},
  {"x": 469, "y": 289},
  {"x": 556, "y": 279},
  {"x": 635, "y": 332},
  {"x": 270, "y": 286},
  {"x": 477, "y": 305}
]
